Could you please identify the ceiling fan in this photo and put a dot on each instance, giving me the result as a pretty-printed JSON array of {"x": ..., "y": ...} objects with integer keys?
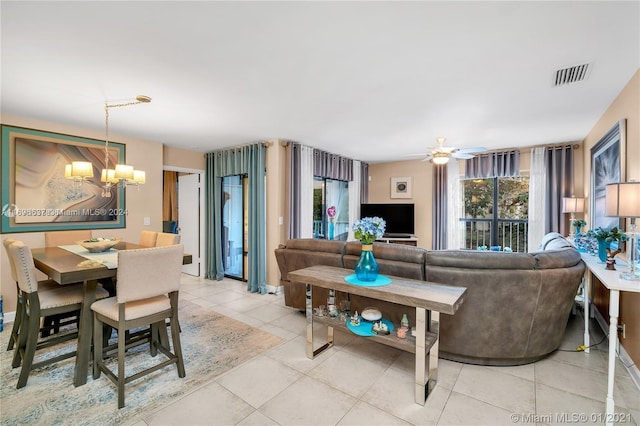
[{"x": 441, "y": 153}]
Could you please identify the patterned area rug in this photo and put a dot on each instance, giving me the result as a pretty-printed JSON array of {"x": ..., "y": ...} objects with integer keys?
[{"x": 211, "y": 344}]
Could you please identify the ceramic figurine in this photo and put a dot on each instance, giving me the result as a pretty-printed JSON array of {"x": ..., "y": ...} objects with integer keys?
[{"x": 355, "y": 319}]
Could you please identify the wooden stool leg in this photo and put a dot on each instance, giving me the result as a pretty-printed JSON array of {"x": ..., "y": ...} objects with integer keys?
[
  {"x": 17, "y": 321},
  {"x": 97, "y": 346},
  {"x": 33, "y": 326}
]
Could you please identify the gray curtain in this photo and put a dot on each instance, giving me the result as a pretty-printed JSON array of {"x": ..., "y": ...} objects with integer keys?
[
  {"x": 493, "y": 164},
  {"x": 559, "y": 184},
  {"x": 293, "y": 189},
  {"x": 332, "y": 166},
  {"x": 364, "y": 182},
  {"x": 249, "y": 160},
  {"x": 439, "y": 207}
]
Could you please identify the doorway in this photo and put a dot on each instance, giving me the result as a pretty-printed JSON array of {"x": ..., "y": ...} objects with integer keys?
[{"x": 183, "y": 212}]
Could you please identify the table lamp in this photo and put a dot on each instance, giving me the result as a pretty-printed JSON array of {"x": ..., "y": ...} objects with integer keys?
[
  {"x": 623, "y": 200},
  {"x": 573, "y": 205}
]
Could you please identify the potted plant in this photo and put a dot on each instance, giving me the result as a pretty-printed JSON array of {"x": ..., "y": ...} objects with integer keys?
[
  {"x": 578, "y": 223},
  {"x": 605, "y": 237}
]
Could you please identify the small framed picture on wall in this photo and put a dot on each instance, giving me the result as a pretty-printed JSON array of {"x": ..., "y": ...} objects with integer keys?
[{"x": 401, "y": 187}]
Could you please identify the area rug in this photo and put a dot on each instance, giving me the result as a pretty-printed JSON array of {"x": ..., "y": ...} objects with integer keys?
[{"x": 211, "y": 344}]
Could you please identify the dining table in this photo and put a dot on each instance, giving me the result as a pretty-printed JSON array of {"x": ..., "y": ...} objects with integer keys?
[{"x": 71, "y": 264}]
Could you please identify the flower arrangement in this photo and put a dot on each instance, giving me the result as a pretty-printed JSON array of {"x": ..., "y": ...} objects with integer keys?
[
  {"x": 578, "y": 222},
  {"x": 369, "y": 229},
  {"x": 331, "y": 212},
  {"x": 608, "y": 235}
]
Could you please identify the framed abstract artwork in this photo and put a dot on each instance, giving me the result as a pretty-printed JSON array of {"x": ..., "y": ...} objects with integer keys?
[
  {"x": 607, "y": 166},
  {"x": 401, "y": 187},
  {"x": 37, "y": 197}
]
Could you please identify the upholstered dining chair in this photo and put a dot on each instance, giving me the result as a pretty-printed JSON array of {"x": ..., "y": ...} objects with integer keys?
[
  {"x": 148, "y": 281},
  {"x": 166, "y": 239},
  {"x": 43, "y": 285},
  {"x": 55, "y": 239},
  {"x": 148, "y": 238},
  {"x": 38, "y": 304},
  {"x": 61, "y": 238}
]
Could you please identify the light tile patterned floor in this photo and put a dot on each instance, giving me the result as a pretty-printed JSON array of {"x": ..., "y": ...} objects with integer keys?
[{"x": 358, "y": 382}]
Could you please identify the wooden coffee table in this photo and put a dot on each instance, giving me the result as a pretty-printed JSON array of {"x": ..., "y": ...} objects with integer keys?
[{"x": 428, "y": 299}]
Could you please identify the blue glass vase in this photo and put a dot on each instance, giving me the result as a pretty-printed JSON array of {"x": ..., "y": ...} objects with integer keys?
[
  {"x": 603, "y": 245},
  {"x": 331, "y": 229},
  {"x": 367, "y": 267},
  {"x": 578, "y": 227}
]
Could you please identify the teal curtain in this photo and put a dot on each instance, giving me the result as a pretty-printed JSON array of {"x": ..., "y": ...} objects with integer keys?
[{"x": 249, "y": 160}]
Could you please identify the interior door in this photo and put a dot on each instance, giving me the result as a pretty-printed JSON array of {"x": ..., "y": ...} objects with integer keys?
[{"x": 189, "y": 219}]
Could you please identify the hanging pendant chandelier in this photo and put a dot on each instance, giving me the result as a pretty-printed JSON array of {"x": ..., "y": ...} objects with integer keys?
[{"x": 122, "y": 174}]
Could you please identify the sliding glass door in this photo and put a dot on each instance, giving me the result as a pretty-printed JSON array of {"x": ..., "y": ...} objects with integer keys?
[{"x": 234, "y": 226}]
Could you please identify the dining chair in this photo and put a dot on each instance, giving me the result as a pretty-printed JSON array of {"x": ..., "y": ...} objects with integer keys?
[
  {"x": 148, "y": 238},
  {"x": 38, "y": 303},
  {"x": 55, "y": 239},
  {"x": 43, "y": 285},
  {"x": 61, "y": 238},
  {"x": 148, "y": 281},
  {"x": 166, "y": 239}
]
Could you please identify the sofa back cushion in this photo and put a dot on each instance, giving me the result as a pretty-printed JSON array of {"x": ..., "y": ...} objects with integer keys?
[
  {"x": 400, "y": 260},
  {"x": 305, "y": 252},
  {"x": 474, "y": 259}
]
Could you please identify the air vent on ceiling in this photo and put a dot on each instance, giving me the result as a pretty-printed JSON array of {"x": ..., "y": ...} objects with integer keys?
[{"x": 572, "y": 74}]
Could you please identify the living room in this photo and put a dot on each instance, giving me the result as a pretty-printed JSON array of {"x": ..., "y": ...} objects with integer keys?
[{"x": 153, "y": 154}]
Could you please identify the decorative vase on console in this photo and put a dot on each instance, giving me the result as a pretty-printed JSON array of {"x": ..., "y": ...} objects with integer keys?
[
  {"x": 578, "y": 223},
  {"x": 331, "y": 212},
  {"x": 367, "y": 268},
  {"x": 367, "y": 230},
  {"x": 605, "y": 237}
]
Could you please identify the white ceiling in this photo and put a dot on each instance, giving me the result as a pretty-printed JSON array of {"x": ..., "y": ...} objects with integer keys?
[{"x": 374, "y": 81}]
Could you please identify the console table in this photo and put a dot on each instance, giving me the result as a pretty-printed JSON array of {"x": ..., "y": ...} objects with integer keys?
[
  {"x": 612, "y": 281},
  {"x": 428, "y": 299}
]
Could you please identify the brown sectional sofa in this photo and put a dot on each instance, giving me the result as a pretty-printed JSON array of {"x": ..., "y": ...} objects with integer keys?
[{"x": 515, "y": 309}]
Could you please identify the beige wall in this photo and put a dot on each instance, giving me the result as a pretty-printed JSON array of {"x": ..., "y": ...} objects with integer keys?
[
  {"x": 626, "y": 105},
  {"x": 183, "y": 158},
  {"x": 275, "y": 200},
  {"x": 421, "y": 171},
  {"x": 147, "y": 202}
]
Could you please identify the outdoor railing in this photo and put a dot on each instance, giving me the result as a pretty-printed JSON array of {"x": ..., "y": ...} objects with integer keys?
[{"x": 511, "y": 233}]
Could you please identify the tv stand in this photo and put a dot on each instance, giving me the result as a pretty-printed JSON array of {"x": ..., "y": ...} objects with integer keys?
[{"x": 410, "y": 240}]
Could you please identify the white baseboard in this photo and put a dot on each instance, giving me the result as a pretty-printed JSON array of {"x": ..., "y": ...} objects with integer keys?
[
  {"x": 9, "y": 317},
  {"x": 274, "y": 289},
  {"x": 631, "y": 368}
]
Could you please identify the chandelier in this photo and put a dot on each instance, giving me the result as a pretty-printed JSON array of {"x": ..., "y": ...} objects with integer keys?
[{"x": 121, "y": 174}]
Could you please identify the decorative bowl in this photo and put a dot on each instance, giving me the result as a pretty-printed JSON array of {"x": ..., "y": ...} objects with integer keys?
[
  {"x": 371, "y": 314},
  {"x": 98, "y": 245}
]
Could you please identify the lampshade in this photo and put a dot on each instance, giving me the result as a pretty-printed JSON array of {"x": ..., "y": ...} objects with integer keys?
[
  {"x": 622, "y": 199},
  {"x": 124, "y": 171},
  {"x": 81, "y": 169},
  {"x": 108, "y": 175},
  {"x": 572, "y": 205},
  {"x": 139, "y": 177}
]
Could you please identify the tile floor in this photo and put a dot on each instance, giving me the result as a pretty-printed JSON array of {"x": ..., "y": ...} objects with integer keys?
[{"x": 363, "y": 383}]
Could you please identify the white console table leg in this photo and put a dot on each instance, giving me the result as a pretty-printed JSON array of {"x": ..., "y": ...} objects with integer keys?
[
  {"x": 586, "y": 289},
  {"x": 614, "y": 310}
]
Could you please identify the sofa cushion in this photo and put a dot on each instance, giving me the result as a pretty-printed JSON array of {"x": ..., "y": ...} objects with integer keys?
[{"x": 554, "y": 259}]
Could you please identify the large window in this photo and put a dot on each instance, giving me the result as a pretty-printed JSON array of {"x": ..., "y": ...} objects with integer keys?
[
  {"x": 330, "y": 209},
  {"x": 495, "y": 212}
]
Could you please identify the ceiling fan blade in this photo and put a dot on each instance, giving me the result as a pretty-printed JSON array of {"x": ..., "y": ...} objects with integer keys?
[
  {"x": 471, "y": 150},
  {"x": 462, "y": 155}
]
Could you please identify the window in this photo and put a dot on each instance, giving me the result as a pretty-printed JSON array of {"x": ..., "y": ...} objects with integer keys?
[
  {"x": 329, "y": 193},
  {"x": 495, "y": 212}
]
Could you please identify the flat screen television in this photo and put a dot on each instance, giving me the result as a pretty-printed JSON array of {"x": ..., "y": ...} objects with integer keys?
[{"x": 400, "y": 217}]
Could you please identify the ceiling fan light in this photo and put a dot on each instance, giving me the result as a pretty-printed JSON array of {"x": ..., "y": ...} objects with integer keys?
[{"x": 440, "y": 158}]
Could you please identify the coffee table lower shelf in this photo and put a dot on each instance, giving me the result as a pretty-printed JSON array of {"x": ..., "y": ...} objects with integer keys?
[{"x": 408, "y": 344}]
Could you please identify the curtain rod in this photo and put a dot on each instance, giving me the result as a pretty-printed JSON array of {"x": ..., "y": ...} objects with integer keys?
[{"x": 266, "y": 144}]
